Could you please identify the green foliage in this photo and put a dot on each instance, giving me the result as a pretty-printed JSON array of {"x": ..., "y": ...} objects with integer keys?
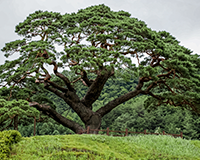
[
  {"x": 189, "y": 127},
  {"x": 7, "y": 138},
  {"x": 43, "y": 98},
  {"x": 47, "y": 127},
  {"x": 132, "y": 115},
  {"x": 10, "y": 137},
  {"x": 111, "y": 34},
  {"x": 30, "y": 92},
  {"x": 11, "y": 109},
  {"x": 4, "y": 150}
]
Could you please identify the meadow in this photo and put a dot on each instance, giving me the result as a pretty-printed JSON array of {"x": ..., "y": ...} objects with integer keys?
[{"x": 103, "y": 147}]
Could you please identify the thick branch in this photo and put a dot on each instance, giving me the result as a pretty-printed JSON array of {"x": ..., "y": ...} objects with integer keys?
[
  {"x": 114, "y": 103},
  {"x": 57, "y": 86},
  {"x": 60, "y": 94},
  {"x": 95, "y": 89},
  {"x": 65, "y": 79},
  {"x": 58, "y": 117},
  {"x": 74, "y": 102},
  {"x": 86, "y": 80}
]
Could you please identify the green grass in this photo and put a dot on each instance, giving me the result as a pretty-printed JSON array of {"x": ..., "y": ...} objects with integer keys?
[{"x": 102, "y": 147}]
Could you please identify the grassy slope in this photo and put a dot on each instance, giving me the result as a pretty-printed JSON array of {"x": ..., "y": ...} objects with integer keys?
[{"x": 104, "y": 147}]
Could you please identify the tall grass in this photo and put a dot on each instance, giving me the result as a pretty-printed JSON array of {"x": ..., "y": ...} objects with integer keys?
[{"x": 103, "y": 147}]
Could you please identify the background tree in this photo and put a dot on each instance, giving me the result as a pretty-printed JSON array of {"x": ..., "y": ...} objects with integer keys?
[{"x": 97, "y": 40}]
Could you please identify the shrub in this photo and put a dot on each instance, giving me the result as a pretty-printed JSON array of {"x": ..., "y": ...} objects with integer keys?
[{"x": 7, "y": 138}]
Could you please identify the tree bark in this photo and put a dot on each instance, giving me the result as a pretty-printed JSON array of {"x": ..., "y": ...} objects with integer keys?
[
  {"x": 34, "y": 126},
  {"x": 94, "y": 123},
  {"x": 91, "y": 119},
  {"x": 95, "y": 89},
  {"x": 16, "y": 122}
]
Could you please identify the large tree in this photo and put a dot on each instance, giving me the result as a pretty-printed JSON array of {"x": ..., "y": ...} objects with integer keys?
[{"x": 100, "y": 42}]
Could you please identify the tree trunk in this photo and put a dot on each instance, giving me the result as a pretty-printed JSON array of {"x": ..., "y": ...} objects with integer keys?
[
  {"x": 34, "y": 126},
  {"x": 94, "y": 123},
  {"x": 16, "y": 122},
  {"x": 88, "y": 117}
]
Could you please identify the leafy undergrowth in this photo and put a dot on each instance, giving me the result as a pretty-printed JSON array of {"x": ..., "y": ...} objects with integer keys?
[{"x": 102, "y": 147}]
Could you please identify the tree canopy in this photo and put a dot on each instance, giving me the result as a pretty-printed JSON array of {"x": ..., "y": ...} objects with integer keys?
[{"x": 99, "y": 44}]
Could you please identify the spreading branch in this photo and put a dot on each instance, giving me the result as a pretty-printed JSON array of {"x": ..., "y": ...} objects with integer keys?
[
  {"x": 59, "y": 94},
  {"x": 117, "y": 101},
  {"x": 95, "y": 89},
  {"x": 85, "y": 79},
  {"x": 57, "y": 86},
  {"x": 65, "y": 79},
  {"x": 57, "y": 117}
]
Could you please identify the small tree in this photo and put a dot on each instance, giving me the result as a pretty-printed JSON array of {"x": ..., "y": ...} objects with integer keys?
[
  {"x": 12, "y": 111},
  {"x": 98, "y": 41}
]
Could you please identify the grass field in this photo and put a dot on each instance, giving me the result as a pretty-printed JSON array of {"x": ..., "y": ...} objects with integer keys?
[{"x": 102, "y": 147}]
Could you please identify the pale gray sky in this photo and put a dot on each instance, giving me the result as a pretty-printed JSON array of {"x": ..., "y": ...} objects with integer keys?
[{"x": 179, "y": 17}]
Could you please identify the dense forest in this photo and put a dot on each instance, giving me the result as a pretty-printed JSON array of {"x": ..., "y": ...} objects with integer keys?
[{"x": 131, "y": 114}]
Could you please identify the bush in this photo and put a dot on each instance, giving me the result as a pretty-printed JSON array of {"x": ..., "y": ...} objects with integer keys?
[
  {"x": 7, "y": 138},
  {"x": 4, "y": 150}
]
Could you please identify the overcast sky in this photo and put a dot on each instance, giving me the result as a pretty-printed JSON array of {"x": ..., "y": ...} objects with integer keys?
[{"x": 179, "y": 17}]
